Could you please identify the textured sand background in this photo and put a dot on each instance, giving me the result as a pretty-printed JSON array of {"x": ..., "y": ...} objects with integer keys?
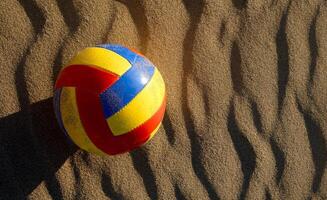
[{"x": 246, "y": 116}]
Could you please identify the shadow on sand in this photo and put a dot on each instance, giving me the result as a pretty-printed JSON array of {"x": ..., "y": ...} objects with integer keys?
[{"x": 32, "y": 149}]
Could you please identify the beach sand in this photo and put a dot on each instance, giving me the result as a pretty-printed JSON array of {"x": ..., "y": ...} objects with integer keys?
[{"x": 246, "y": 115}]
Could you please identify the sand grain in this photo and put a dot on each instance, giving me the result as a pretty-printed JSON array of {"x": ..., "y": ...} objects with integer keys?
[{"x": 246, "y": 115}]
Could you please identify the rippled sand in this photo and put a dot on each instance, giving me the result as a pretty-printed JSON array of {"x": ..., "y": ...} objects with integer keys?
[{"x": 246, "y": 115}]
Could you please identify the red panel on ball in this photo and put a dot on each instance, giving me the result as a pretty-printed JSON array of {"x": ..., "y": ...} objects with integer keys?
[
  {"x": 89, "y": 82},
  {"x": 146, "y": 129},
  {"x": 87, "y": 77},
  {"x": 95, "y": 125}
]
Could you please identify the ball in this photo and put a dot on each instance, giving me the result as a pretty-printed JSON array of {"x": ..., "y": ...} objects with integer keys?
[{"x": 109, "y": 99}]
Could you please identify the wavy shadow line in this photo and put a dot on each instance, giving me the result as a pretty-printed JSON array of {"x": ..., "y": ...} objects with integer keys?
[
  {"x": 178, "y": 193},
  {"x": 86, "y": 158},
  {"x": 244, "y": 151},
  {"x": 240, "y": 4},
  {"x": 196, "y": 150},
  {"x": 279, "y": 159},
  {"x": 53, "y": 185},
  {"x": 20, "y": 83},
  {"x": 206, "y": 100},
  {"x": 70, "y": 14},
  {"x": 268, "y": 195},
  {"x": 113, "y": 18},
  {"x": 282, "y": 60},
  {"x": 222, "y": 32},
  {"x": 141, "y": 164},
  {"x": 72, "y": 21},
  {"x": 25, "y": 118},
  {"x": 35, "y": 15},
  {"x": 137, "y": 10},
  {"x": 256, "y": 116},
  {"x": 313, "y": 49},
  {"x": 194, "y": 9},
  {"x": 57, "y": 63},
  {"x": 77, "y": 176},
  {"x": 317, "y": 145},
  {"x": 236, "y": 71},
  {"x": 37, "y": 19},
  {"x": 282, "y": 51},
  {"x": 108, "y": 189},
  {"x": 169, "y": 130}
]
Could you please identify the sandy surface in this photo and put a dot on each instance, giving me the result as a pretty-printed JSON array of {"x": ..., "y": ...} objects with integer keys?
[{"x": 246, "y": 116}]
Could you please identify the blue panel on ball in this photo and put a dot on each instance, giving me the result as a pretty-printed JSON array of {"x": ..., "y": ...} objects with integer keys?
[
  {"x": 127, "y": 87},
  {"x": 56, "y": 102}
]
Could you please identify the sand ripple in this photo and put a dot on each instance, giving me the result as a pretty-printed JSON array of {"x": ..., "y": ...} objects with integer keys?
[{"x": 246, "y": 115}]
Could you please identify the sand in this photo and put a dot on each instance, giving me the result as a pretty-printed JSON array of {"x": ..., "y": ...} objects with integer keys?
[{"x": 246, "y": 115}]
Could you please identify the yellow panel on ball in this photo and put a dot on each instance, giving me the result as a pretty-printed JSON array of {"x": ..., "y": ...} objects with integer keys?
[
  {"x": 109, "y": 99},
  {"x": 141, "y": 108},
  {"x": 154, "y": 132},
  {"x": 103, "y": 59},
  {"x": 72, "y": 122}
]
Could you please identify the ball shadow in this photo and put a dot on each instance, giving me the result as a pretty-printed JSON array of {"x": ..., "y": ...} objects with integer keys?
[{"x": 32, "y": 149}]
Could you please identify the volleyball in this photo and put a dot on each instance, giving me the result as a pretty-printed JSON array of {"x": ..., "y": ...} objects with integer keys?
[{"x": 109, "y": 99}]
